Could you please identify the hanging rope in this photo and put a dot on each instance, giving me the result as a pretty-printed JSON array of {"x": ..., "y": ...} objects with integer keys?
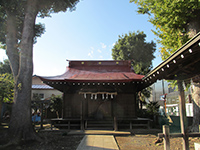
[{"x": 94, "y": 94}]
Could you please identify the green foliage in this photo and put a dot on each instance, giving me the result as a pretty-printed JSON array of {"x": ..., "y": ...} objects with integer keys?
[
  {"x": 56, "y": 104},
  {"x": 153, "y": 108},
  {"x": 6, "y": 82},
  {"x": 133, "y": 47},
  {"x": 145, "y": 93},
  {"x": 173, "y": 84},
  {"x": 6, "y": 87},
  {"x": 18, "y": 7},
  {"x": 5, "y": 67},
  {"x": 19, "y": 12},
  {"x": 171, "y": 19}
]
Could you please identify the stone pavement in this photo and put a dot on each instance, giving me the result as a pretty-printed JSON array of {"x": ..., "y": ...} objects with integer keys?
[
  {"x": 98, "y": 132},
  {"x": 98, "y": 142}
]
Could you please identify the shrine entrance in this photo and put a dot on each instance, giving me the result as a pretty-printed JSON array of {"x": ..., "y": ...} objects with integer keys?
[
  {"x": 98, "y": 105},
  {"x": 99, "y": 109}
]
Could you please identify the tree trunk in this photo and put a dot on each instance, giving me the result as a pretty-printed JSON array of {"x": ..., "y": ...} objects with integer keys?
[
  {"x": 196, "y": 109},
  {"x": 11, "y": 42},
  {"x": 140, "y": 100},
  {"x": 57, "y": 114},
  {"x": 20, "y": 124},
  {"x": 141, "y": 104},
  {"x": 193, "y": 26}
]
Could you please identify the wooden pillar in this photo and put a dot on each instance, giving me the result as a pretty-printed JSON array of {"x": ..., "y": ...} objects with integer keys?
[
  {"x": 82, "y": 114},
  {"x": 86, "y": 107},
  {"x": 166, "y": 137},
  {"x": 113, "y": 111},
  {"x": 67, "y": 105},
  {"x": 112, "y": 108},
  {"x": 63, "y": 105},
  {"x": 115, "y": 123},
  {"x": 183, "y": 119}
]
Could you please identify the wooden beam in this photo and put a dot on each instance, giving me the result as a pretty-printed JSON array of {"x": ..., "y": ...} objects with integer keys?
[{"x": 183, "y": 119}]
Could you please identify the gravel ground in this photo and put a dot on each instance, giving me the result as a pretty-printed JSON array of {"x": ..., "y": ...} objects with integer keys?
[{"x": 147, "y": 142}]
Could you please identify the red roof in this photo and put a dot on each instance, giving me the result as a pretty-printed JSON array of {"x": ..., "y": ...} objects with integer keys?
[{"x": 97, "y": 71}]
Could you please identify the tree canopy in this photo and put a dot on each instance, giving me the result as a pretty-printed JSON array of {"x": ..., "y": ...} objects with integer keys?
[
  {"x": 175, "y": 21},
  {"x": 133, "y": 46}
]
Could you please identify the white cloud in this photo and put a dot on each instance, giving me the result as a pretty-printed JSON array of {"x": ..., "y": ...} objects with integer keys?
[
  {"x": 101, "y": 57},
  {"x": 103, "y": 45},
  {"x": 3, "y": 55},
  {"x": 99, "y": 50},
  {"x": 113, "y": 44},
  {"x": 90, "y": 53}
]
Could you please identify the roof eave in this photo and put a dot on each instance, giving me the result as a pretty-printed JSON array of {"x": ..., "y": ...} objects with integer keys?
[{"x": 185, "y": 47}]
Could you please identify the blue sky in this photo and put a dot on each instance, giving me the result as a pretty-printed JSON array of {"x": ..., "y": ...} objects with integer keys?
[{"x": 88, "y": 33}]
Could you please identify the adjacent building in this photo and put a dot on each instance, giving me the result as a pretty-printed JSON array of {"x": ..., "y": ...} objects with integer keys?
[{"x": 42, "y": 91}]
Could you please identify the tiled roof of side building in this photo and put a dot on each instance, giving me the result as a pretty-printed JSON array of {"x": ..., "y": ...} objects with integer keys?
[{"x": 36, "y": 86}]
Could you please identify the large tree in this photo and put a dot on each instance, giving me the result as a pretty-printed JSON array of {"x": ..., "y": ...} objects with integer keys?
[
  {"x": 17, "y": 35},
  {"x": 175, "y": 21},
  {"x": 133, "y": 46}
]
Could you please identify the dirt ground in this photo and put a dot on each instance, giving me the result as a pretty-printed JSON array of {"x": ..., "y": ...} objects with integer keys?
[
  {"x": 54, "y": 141},
  {"x": 57, "y": 140}
]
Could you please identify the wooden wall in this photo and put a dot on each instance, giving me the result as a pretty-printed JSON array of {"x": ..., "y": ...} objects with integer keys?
[
  {"x": 122, "y": 105},
  {"x": 125, "y": 105}
]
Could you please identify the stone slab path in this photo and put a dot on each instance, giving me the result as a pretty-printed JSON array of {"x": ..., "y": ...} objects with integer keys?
[{"x": 98, "y": 142}]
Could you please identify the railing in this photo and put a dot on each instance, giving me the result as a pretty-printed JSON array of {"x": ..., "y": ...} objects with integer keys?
[{"x": 79, "y": 123}]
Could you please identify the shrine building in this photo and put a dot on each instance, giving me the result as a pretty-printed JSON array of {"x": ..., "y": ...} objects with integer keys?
[{"x": 98, "y": 90}]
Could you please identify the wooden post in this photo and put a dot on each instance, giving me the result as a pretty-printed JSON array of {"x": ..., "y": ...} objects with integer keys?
[
  {"x": 41, "y": 123},
  {"x": 51, "y": 124},
  {"x": 115, "y": 123},
  {"x": 131, "y": 125},
  {"x": 183, "y": 119},
  {"x": 148, "y": 124},
  {"x": 166, "y": 137}
]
